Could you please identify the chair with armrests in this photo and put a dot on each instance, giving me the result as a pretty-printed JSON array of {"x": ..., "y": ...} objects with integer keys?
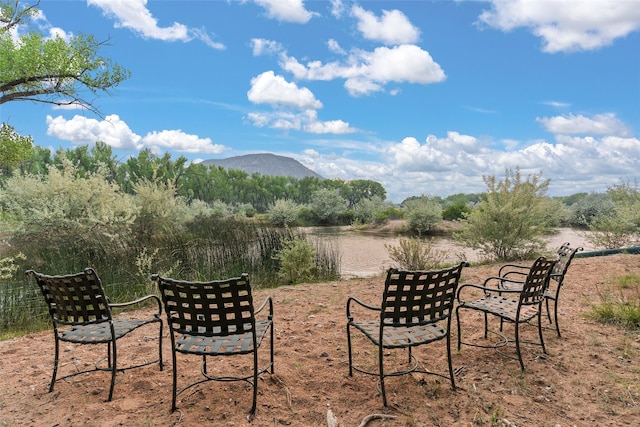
[
  {"x": 517, "y": 305},
  {"x": 215, "y": 318},
  {"x": 565, "y": 254},
  {"x": 415, "y": 305},
  {"x": 82, "y": 314}
]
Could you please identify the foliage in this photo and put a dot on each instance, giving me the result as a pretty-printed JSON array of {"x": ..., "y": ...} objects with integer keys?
[
  {"x": 423, "y": 214},
  {"x": 50, "y": 70},
  {"x": 14, "y": 147},
  {"x": 588, "y": 207},
  {"x": 159, "y": 209},
  {"x": 621, "y": 226},
  {"x": 415, "y": 254},
  {"x": 284, "y": 213},
  {"x": 64, "y": 200},
  {"x": 296, "y": 261},
  {"x": 327, "y": 205},
  {"x": 619, "y": 306},
  {"x": 368, "y": 210},
  {"x": 455, "y": 212},
  {"x": 363, "y": 189},
  {"x": 510, "y": 222},
  {"x": 8, "y": 266}
]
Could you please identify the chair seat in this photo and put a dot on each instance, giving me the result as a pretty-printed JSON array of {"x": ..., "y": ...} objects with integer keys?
[
  {"x": 503, "y": 307},
  {"x": 222, "y": 345},
  {"x": 101, "y": 333},
  {"x": 401, "y": 336}
]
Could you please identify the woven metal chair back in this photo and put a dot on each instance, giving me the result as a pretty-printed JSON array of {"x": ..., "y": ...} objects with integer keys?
[
  {"x": 75, "y": 298},
  {"x": 413, "y": 298},
  {"x": 215, "y": 308},
  {"x": 536, "y": 282},
  {"x": 565, "y": 255}
]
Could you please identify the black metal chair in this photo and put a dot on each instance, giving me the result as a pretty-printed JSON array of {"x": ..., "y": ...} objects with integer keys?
[
  {"x": 565, "y": 255},
  {"x": 82, "y": 314},
  {"x": 414, "y": 304},
  {"x": 215, "y": 318},
  {"x": 523, "y": 302}
]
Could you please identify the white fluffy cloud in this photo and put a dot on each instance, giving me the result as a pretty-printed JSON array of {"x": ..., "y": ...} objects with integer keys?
[
  {"x": 566, "y": 26},
  {"x": 367, "y": 72},
  {"x": 134, "y": 15},
  {"x": 286, "y": 10},
  {"x": 82, "y": 130},
  {"x": 116, "y": 133},
  {"x": 393, "y": 27},
  {"x": 269, "y": 88},
  {"x": 600, "y": 124}
]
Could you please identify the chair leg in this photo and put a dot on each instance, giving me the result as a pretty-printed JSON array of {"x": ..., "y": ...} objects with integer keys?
[
  {"x": 453, "y": 383},
  {"x": 486, "y": 325},
  {"x": 517, "y": 339},
  {"x": 555, "y": 312},
  {"x": 458, "y": 323},
  {"x": 114, "y": 364},
  {"x": 255, "y": 382},
  {"x": 349, "y": 351},
  {"x": 160, "y": 347},
  {"x": 271, "y": 348},
  {"x": 175, "y": 379},
  {"x": 382, "y": 390},
  {"x": 55, "y": 361},
  {"x": 544, "y": 350}
]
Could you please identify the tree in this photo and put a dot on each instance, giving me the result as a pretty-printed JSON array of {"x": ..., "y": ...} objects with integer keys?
[
  {"x": 50, "y": 70},
  {"x": 423, "y": 214},
  {"x": 14, "y": 148},
  {"x": 509, "y": 223},
  {"x": 327, "y": 205}
]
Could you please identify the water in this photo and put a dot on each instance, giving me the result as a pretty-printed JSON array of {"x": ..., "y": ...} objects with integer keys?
[{"x": 363, "y": 254}]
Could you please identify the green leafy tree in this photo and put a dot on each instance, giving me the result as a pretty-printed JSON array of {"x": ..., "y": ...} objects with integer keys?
[
  {"x": 14, "y": 147},
  {"x": 509, "y": 224},
  {"x": 424, "y": 213},
  {"x": 327, "y": 205},
  {"x": 284, "y": 213},
  {"x": 50, "y": 70},
  {"x": 621, "y": 226}
]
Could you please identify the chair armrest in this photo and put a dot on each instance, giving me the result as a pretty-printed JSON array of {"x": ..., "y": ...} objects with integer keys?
[
  {"x": 263, "y": 305},
  {"x": 484, "y": 289},
  {"x": 513, "y": 267},
  {"x": 362, "y": 304},
  {"x": 138, "y": 301}
]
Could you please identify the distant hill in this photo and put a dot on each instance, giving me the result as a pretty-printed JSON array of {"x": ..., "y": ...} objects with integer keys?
[{"x": 265, "y": 164}]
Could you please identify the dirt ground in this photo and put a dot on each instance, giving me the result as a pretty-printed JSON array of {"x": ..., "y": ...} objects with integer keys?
[{"x": 590, "y": 376}]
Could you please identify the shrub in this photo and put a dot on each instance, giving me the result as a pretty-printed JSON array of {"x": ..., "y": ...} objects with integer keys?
[
  {"x": 415, "y": 254},
  {"x": 510, "y": 222},
  {"x": 423, "y": 214},
  {"x": 296, "y": 261},
  {"x": 284, "y": 213},
  {"x": 621, "y": 226},
  {"x": 455, "y": 212}
]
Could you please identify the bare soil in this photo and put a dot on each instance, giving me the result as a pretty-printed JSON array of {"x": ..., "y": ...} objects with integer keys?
[{"x": 590, "y": 376}]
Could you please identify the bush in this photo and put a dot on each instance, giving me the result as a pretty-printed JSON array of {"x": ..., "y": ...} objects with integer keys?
[
  {"x": 296, "y": 261},
  {"x": 423, "y": 214},
  {"x": 510, "y": 222},
  {"x": 415, "y": 254},
  {"x": 455, "y": 212},
  {"x": 284, "y": 213}
]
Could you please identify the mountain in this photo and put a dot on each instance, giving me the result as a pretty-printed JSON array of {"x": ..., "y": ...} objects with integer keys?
[{"x": 265, "y": 164}]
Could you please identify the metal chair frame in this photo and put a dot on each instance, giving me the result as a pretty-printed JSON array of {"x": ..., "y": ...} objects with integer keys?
[
  {"x": 565, "y": 255},
  {"x": 215, "y": 318},
  {"x": 414, "y": 303},
  {"x": 523, "y": 303},
  {"x": 82, "y": 314}
]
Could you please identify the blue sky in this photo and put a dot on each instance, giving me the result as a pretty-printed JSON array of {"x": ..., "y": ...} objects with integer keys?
[{"x": 424, "y": 97}]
